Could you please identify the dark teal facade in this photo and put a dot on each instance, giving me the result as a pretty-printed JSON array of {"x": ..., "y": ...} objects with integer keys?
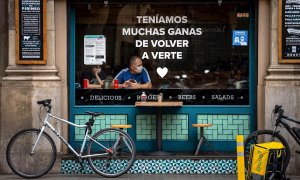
[{"x": 228, "y": 120}]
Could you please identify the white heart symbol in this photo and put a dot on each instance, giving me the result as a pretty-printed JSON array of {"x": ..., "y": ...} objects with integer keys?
[{"x": 162, "y": 71}]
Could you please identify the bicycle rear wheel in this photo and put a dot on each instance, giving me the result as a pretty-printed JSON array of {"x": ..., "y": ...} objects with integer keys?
[
  {"x": 113, "y": 152},
  {"x": 263, "y": 136},
  {"x": 20, "y": 159}
]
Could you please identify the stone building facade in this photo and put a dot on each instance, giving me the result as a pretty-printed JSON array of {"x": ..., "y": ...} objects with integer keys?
[{"x": 22, "y": 85}]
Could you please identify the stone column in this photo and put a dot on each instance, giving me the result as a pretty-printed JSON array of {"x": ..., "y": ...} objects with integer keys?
[
  {"x": 263, "y": 57},
  {"x": 3, "y": 46},
  {"x": 282, "y": 87},
  {"x": 25, "y": 84}
]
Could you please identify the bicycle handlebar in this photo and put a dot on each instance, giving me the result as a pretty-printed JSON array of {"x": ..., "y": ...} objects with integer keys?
[
  {"x": 45, "y": 102},
  {"x": 277, "y": 109}
]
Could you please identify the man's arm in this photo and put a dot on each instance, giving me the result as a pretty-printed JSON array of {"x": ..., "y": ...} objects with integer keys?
[
  {"x": 147, "y": 85},
  {"x": 94, "y": 86}
]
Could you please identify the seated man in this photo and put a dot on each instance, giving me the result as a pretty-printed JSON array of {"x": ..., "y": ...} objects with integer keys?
[
  {"x": 134, "y": 77},
  {"x": 95, "y": 77}
]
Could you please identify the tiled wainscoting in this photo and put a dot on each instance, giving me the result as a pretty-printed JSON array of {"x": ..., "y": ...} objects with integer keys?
[
  {"x": 163, "y": 166},
  {"x": 175, "y": 126},
  {"x": 225, "y": 127}
]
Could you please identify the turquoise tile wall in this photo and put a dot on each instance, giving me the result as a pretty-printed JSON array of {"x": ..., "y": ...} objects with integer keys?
[
  {"x": 101, "y": 122},
  {"x": 175, "y": 127},
  {"x": 225, "y": 127},
  {"x": 162, "y": 166},
  {"x": 145, "y": 127}
]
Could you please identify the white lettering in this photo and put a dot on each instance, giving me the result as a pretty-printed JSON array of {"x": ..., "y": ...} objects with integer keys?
[
  {"x": 141, "y": 43},
  {"x": 169, "y": 43},
  {"x": 222, "y": 97},
  {"x": 105, "y": 98},
  {"x": 145, "y": 55},
  {"x": 166, "y": 55},
  {"x": 187, "y": 97}
]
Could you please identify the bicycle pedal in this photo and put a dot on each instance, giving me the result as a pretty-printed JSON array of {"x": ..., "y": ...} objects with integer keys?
[
  {"x": 298, "y": 152},
  {"x": 81, "y": 167}
]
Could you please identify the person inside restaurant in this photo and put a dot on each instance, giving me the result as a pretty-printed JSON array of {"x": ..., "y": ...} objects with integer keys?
[
  {"x": 133, "y": 77},
  {"x": 95, "y": 77}
]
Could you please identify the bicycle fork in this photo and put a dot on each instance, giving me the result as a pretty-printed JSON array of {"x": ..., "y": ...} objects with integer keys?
[
  {"x": 274, "y": 132},
  {"x": 40, "y": 134},
  {"x": 37, "y": 140}
]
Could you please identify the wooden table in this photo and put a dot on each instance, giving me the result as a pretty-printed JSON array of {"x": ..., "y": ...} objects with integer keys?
[{"x": 159, "y": 106}]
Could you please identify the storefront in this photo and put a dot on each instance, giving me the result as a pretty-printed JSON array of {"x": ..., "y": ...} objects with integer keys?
[
  {"x": 219, "y": 58},
  {"x": 201, "y": 53}
]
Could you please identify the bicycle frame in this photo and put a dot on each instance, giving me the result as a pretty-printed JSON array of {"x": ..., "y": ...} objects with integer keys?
[
  {"x": 87, "y": 136},
  {"x": 288, "y": 127}
]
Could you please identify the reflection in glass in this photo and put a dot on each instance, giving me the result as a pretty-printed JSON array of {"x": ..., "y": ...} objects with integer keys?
[{"x": 185, "y": 46}]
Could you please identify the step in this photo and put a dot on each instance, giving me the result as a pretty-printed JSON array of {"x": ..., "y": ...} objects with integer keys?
[{"x": 206, "y": 163}]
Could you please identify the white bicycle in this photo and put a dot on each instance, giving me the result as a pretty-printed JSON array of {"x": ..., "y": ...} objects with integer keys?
[{"x": 31, "y": 153}]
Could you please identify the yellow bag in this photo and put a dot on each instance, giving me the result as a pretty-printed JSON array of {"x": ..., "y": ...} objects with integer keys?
[{"x": 265, "y": 159}]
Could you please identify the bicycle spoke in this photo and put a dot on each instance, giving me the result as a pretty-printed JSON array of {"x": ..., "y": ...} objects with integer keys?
[
  {"x": 34, "y": 164},
  {"x": 120, "y": 157}
]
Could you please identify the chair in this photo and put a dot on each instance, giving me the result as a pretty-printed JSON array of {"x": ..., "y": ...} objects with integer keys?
[
  {"x": 121, "y": 126},
  {"x": 202, "y": 138}
]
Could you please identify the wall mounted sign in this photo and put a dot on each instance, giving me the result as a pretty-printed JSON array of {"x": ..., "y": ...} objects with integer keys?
[
  {"x": 289, "y": 31},
  {"x": 94, "y": 49},
  {"x": 30, "y": 31}
]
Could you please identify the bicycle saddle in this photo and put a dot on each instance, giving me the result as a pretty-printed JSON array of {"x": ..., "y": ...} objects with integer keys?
[{"x": 93, "y": 113}]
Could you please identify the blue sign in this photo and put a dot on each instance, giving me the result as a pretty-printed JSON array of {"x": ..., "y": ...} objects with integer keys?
[{"x": 240, "y": 38}]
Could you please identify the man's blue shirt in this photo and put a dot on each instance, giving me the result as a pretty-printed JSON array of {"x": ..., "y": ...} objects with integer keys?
[{"x": 140, "y": 78}]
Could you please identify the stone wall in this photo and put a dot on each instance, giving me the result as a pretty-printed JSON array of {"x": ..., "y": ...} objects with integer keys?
[
  {"x": 282, "y": 87},
  {"x": 23, "y": 85}
]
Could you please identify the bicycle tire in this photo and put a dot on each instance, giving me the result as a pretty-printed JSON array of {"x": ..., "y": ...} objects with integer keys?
[
  {"x": 25, "y": 164},
  {"x": 115, "y": 161},
  {"x": 265, "y": 136}
]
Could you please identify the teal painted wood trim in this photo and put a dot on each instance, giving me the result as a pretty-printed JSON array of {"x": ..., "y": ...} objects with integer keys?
[
  {"x": 72, "y": 40},
  {"x": 253, "y": 62}
]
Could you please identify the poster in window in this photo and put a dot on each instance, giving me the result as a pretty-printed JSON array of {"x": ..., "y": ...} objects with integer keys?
[
  {"x": 30, "y": 31},
  {"x": 289, "y": 31},
  {"x": 239, "y": 38},
  {"x": 94, "y": 49}
]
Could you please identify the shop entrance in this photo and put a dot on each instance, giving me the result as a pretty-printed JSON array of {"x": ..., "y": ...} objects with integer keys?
[{"x": 202, "y": 54}]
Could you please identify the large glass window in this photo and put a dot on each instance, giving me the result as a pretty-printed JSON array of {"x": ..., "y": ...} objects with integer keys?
[{"x": 197, "y": 53}]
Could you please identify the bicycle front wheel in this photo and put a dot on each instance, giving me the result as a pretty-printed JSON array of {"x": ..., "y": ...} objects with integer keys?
[
  {"x": 27, "y": 164},
  {"x": 263, "y": 136},
  {"x": 112, "y": 152}
]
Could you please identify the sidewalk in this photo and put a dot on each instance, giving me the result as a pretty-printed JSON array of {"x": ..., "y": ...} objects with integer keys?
[{"x": 135, "y": 177}]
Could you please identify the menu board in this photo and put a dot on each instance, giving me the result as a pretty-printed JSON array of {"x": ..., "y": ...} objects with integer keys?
[
  {"x": 289, "y": 31},
  {"x": 30, "y": 31}
]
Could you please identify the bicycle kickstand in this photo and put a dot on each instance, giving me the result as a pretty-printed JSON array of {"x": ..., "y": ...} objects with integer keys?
[{"x": 80, "y": 161}]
